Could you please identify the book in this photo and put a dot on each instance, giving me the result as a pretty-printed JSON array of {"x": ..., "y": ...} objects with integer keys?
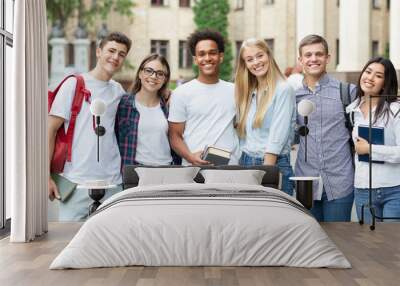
[
  {"x": 216, "y": 156},
  {"x": 377, "y": 136},
  {"x": 65, "y": 186}
]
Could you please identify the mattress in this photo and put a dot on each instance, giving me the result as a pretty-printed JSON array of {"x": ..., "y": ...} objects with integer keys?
[{"x": 201, "y": 225}]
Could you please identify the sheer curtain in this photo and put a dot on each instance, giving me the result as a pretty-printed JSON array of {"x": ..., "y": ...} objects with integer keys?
[{"x": 26, "y": 121}]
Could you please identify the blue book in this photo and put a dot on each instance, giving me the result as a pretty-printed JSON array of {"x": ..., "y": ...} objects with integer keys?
[{"x": 378, "y": 138}]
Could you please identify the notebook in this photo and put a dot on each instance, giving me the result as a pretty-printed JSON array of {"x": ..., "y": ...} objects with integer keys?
[
  {"x": 216, "y": 156},
  {"x": 378, "y": 138},
  {"x": 65, "y": 186}
]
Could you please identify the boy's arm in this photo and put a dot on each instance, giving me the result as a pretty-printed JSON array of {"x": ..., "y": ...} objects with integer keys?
[
  {"x": 54, "y": 123},
  {"x": 176, "y": 130}
]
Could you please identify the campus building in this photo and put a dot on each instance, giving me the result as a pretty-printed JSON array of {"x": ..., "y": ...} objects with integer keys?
[{"x": 355, "y": 30}]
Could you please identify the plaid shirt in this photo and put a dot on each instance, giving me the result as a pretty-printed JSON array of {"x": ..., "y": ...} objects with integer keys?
[{"x": 126, "y": 129}]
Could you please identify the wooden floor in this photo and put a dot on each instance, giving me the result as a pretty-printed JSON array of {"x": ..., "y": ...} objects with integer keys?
[{"x": 374, "y": 255}]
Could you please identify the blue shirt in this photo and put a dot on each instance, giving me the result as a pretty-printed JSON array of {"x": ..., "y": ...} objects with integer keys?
[
  {"x": 328, "y": 149},
  {"x": 277, "y": 130}
]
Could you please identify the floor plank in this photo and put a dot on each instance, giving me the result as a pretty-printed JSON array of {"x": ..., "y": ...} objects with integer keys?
[{"x": 374, "y": 255}]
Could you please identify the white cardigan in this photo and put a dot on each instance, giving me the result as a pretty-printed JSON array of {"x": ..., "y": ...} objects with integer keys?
[{"x": 383, "y": 175}]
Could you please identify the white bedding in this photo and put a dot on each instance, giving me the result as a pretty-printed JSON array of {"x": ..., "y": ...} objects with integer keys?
[{"x": 185, "y": 230}]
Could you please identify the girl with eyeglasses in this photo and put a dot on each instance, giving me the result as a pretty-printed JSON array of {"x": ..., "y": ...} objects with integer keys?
[
  {"x": 141, "y": 122},
  {"x": 265, "y": 105},
  {"x": 377, "y": 78}
]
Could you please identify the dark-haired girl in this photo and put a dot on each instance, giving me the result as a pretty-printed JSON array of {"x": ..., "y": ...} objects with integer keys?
[
  {"x": 141, "y": 123},
  {"x": 378, "y": 77}
]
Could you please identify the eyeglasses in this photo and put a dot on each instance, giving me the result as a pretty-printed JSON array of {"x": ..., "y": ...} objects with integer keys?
[{"x": 150, "y": 72}]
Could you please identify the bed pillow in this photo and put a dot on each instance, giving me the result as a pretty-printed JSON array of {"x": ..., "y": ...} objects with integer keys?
[
  {"x": 249, "y": 177},
  {"x": 166, "y": 176}
]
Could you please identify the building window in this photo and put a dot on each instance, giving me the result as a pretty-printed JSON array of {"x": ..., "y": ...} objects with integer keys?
[
  {"x": 160, "y": 47},
  {"x": 376, "y": 4},
  {"x": 185, "y": 58},
  {"x": 337, "y": 51},
  {"x": 270, "y": 43},
  {"x": 70, "y": 55},
  {"x": 375, "y": 48},
  {"x": 92, "y": 55},
  {"x": 337, "y": 3},
  {"x": 388, "y": 5},
  {"x": 269, "y": 2},
  {"x": 158, "y": 3},
  {"x": 238, "y": 45},
  {"x": 184, "y": 3},
  {"x": 239, "y": 5},
  {"x": 6, "y": 61}
]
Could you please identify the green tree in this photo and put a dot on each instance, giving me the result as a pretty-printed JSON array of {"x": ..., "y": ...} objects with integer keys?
[
  {"x": 61, "y": 10},
  {"x": 88, "y": 12},
  {"x": 213, "y": 14}
]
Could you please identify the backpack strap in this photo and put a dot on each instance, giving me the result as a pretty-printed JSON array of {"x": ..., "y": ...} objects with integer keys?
[
  {"x": 345, "y": 93},
  {"x": 346, "y": 100},
  {"x": 52, "y": 94},
  {"x": 62, "y": 82},
  {"x": 349, "y": 117},
  {"x": 80, "y": 94}
]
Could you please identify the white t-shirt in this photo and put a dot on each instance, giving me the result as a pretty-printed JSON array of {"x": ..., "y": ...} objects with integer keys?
[
  {"x": 208, "y": 111},
  {"x": 84, "y": 165},
  {"x": 152, "y": 140}
]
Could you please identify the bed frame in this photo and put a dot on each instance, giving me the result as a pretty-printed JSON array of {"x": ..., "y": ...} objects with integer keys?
[{"x": 271, "y": 178}]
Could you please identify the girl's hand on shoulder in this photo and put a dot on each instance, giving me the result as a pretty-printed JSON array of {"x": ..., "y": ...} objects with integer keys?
[{"x": 361, "y": 145}]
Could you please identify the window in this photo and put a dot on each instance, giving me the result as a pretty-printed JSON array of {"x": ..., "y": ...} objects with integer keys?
[
  {"x": 337, "y": 51},
  {"x": 92, "y": 55},
  {"x": 269, "y": 2},
  {"x": 184, "y": 3},
  {"x": 158, "y": 3},
  {"x": 388, "y": 5},
  {"x": 376, "y": 4},
  {"x": 387, "y": 51},
  {"x": 375, "y": 48},
  {"x": 160, "y": 47},
  {"x": 185, "y": 58},
  {"x": 238, "y": 45},
  {"x": 6, "y": 46},
  {"x": 70, "y": 54},
  {"x": 239, "y": 5},
  {"x": 9, "y": 10},
  {"x": 270, "y": 43},
  {"x": 337, "y": 3}
]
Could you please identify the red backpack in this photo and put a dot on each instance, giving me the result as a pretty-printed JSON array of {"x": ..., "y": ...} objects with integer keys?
[{"x": 63, "y": 142}]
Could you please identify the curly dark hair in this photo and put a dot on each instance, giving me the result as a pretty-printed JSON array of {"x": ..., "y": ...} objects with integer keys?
[{"x": 206, "y": 34}]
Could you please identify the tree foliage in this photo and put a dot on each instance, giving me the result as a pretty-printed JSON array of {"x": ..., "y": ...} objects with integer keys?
[
  {"x": 213, "y": 14},
  {"x": 87, "y": 11},
  {"x": 61, "y": 10}
]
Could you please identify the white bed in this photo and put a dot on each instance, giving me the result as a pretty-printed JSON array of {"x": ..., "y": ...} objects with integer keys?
[{"x": 203, "y": 225}]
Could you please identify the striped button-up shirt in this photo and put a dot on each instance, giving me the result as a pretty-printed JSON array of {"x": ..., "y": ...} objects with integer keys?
[{"x": 328, "y": 149}]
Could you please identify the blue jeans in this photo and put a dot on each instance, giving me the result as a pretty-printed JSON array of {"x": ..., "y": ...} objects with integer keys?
[
  {"x": 76, "y": 208},
  {"x": 283, "y": 163},
  {"x": 334, "y": 210},
  {"x": 385, "y": 200}
]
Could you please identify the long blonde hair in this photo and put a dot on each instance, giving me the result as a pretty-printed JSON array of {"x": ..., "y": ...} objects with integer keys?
[{"x": 246, "y": 83}]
